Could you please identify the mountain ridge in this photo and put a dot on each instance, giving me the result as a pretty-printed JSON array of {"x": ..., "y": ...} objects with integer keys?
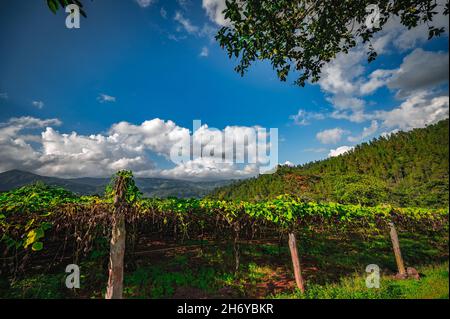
[
  {"x": 151, "y": 187},
  {"x": 404, "y": 169}
]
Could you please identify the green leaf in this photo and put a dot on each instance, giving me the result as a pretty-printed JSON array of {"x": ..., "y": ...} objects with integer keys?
[
  {"x": 37, "y": 246},
  {"x": 33, "y": 236},
  {"x": 53, "y": 5}
]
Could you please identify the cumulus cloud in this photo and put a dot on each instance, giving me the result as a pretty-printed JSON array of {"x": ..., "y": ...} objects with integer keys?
[
  {"x": 214, "y": 9},
  {"x": 346, "y": 84},
  {"x": 144, "y": 3},
  {"x": 36, "y": 145},
  {"x": 288, "y": 163},
  {"x": 17, "y": 151},
  {"x": 340, "y": 151},
  {"x": 420, "y": 70},
  {"x": 185, "y": 23},
  {"x": 377, "y": 79},
  {"x": 331, "y": 136},
  {"x": 163, "y": 13},
  {"x": 156, "y": 135},
  {"x": 341, "y": 75},
  {"x": 417, "y": 111},
  {"x": 105, "y": 98},
  {"x": 303, "y": 117},
  {"x": 387, "y": 134},
  {"x": 367, "y": 131},
  {"x": 204, "y": 52},
  {"x": 207, "y": 168},
  {"x": 38, "y": 104},
  {"x": 183, "y": 4}
]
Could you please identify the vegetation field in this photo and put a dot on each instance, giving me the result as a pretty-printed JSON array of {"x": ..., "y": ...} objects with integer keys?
[
  {"x": 215, "y": 249},
  {"x": 265, "y": 272}
]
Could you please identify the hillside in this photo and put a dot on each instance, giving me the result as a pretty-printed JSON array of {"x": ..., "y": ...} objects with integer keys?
[
  {"x": 151, "y": 187},
  {"x": 404, "y": 169}
]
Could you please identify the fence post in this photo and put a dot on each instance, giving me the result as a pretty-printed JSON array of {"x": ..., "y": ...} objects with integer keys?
[
  {"x": 296, "y": 262},
  {"x": 397, "y": 252},
  {"x": 236, "y": 247},
  {"x": 117, "y": 244}
]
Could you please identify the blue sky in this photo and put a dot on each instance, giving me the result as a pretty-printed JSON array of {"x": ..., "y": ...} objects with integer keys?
[{"x": 135, "y": 61}]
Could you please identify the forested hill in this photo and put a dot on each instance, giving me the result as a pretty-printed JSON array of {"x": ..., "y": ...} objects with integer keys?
[{"x": 404, "y": 169}]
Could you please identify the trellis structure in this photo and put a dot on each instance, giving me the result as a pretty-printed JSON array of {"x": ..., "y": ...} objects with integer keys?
[{"x": 122, "y": 218}]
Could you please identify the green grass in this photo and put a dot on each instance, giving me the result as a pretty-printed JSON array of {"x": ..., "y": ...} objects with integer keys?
[
  {"x": 156, "y": 282},
  {"x": 434, "y": 284},
  {"x": 332, "y": 267}
]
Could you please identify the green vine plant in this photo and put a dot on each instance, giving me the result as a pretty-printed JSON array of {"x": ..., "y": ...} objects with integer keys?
[{"x": 33, "y": 216}]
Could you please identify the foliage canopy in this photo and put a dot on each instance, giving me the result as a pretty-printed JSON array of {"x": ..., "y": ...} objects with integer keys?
[{"x": 304, "y": 35}]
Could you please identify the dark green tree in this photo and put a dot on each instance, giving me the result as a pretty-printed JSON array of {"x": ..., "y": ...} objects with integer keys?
[{"x": 404, "y": 169}]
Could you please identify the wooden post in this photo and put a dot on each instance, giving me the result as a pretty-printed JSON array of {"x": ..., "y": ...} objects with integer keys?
[
  {"x": 117, "y": 245},
  {"x": 296, "y": 262},
  {"x": 236, "y": 247},
  {"x": 397, "y": 252}
]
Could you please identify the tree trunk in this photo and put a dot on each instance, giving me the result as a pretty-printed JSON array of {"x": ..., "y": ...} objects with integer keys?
[
  {"x": 236, "y": 248},
  {"x": 296, "y": 262},
  {"x": 397, "y": 252}
]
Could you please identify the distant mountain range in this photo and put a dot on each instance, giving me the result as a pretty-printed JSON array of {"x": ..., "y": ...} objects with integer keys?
[{"x": 151, "y": 187}]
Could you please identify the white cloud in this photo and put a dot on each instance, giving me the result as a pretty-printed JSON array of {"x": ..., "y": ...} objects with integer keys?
[
  {"x": 204, "y": 52},
  {"x": 144, "y": 3},
  {"x": 346, "y": 83},
  {"x": 214, "y": 9},
  {"x": 288, "y": 163},
  {"x": 156, "y": 135},
  {"x": 343, "y": 102},
  {"x": 163, "y": 13},
  {"x": 331, "y": 136},
  {"x": 352, "y": 116},
  {"x": 17, "y": 153},
  {"x": 183, "y": 4},
  {"x": 48, "y": 151},
  {"x": 377, "y": 79},
  {"x": 205, "y": 168},
  {"x": 387, "y": 134},
  {"x": 38, "y": 104},
  {"x": 206, "y": 31},
  {"x": 105, "y": 98},
  {"x": 186, "y": 24},
  {"x": 3, "y": 95},
  {"x": 367, "y": 131},
  {"x": 303, "y": 117},
  {"x": 176, "y": 38},
  {"x": 420, "y": 70},
  {"x": 417, "y": 111},
  {"x": 341, "y": 75},
  {"x": 404, "y": 39},
  {"x": 340, "y": 151},
  {"x": 396, "y": 36},
  {"x": 16, "y": 124}
]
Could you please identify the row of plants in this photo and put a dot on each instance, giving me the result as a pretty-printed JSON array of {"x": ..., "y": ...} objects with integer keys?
[{"x": 30, "y": 211}]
